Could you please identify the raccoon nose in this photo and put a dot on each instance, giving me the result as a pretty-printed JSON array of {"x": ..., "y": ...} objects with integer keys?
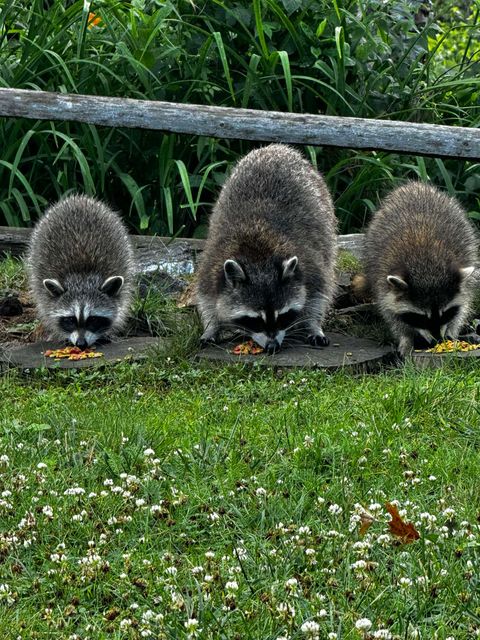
[
  {"x": 272, "y": 346},
  {"x": 81, "y": 343}
]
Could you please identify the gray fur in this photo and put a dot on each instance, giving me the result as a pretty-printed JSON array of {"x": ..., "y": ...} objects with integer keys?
[
  {"x": 420, "y": 237},
  {"x": 77, "y": 246},
  {"x": 274, "y": 207}
]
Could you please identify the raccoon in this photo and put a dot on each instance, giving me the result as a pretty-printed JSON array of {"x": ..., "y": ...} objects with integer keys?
[
  {"x": 420, "y": 252},
  {"x": 268, "y": 265},
  {"x": 80, "y": 266}
]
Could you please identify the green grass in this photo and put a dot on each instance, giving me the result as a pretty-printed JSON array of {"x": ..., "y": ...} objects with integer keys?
[
  {"x": 13, "y": 276},
  {"x": 230, "y": 496}
]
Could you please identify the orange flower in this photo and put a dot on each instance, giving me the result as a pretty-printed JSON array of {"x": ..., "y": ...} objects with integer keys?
[{"x": 93, "y": 20}]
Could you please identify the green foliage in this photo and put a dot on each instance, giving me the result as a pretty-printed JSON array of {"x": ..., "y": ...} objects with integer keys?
[
  {"x": 367, "y": 59},
  {"x": 13, "y": 276},
  {"x": 144, "y": 496}
]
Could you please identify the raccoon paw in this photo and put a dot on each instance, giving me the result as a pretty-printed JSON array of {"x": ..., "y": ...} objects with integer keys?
[
  {"x": 471, "y": 338},
  {"x": 206, "y": 340},
  {"x": 318, "y": 340}
]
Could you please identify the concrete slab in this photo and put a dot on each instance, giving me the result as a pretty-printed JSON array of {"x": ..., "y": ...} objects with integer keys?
[
  {"x": 424, "y": 360},
  {"x": 344, "y": 351},
  {"x": 30, "y": 356}
]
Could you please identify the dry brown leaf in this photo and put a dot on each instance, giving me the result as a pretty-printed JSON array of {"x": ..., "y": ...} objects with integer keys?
[
  {"x": 403, "y": 530},
  {"x": 366, "y": 521}
]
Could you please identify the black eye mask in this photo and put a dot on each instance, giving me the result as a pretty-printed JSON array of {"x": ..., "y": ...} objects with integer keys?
[
  {"x": 258, "y": 325},
  {"x": 92, "y": 323},
  {"x": 68, "y": 324},
  {"x": 255, "y": 325},
  {"x": 97, "y": 323},
  {"x": 284, "y": 320},
  {"x": 433, "y": 324}
]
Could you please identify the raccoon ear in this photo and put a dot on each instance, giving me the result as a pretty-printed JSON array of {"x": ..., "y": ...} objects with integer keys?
[
  {"x": 112, "y": 285},
  {"x": 466, "y": 272},
  {"x": 397, "y": 283},
  {"x": 53, "y": 287},
  {"x": 233, "y": 272},
  {"x": 289, "y": 265}
]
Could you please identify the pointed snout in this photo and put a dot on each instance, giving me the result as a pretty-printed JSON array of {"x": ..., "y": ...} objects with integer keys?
[
  {"x": 81, "y": 343},
  {"x": 272, "y": 346}
]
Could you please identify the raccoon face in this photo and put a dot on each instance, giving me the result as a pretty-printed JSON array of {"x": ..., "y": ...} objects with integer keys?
[
  {"x": 264, "y": 302},
  {"x": 85, "y": 316},
  {"x": 430, "y": 313}
]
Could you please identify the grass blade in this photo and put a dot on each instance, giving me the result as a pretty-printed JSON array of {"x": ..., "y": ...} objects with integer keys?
[{"x": 288, "y": 77}]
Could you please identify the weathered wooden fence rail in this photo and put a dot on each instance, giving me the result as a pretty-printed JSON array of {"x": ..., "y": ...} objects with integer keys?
[
  {"x": 245, "y": 124},
  {"x": 14, "y": 242}
]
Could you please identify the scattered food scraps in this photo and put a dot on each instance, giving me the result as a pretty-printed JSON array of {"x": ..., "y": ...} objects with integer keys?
[
  {"x": 403, "y": 530},
  {"x": 72, "y": 353},
  {"x": 247, "y": 348},
  {"x": 453, "y": 345}
]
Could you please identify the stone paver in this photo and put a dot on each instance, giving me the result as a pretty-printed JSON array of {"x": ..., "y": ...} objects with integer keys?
[{"x": 343, "y": 351}]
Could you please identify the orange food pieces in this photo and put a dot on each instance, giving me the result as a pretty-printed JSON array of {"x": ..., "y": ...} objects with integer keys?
[
  {"x": 247, "y": 348},
  {"x": 453, "y": 345},
  {"x": 72, "y": 353}
]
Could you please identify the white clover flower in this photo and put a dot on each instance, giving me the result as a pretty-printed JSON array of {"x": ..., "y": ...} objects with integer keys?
[
  {"x": 241, "y": 553},
  {"x": 125, "y": 623},
  {"x": 47, "y": 511},
  {"x": 359, "y": 565},
  {"x": 332, "y": 635},
  {"x": 382, "y": 634},
  {"x": 139, "y": 502},
  {"x": 291, "y": 584},
  {"x": 261, "y": 492},
  {"x": 311, "y": 629},
  {"x": 41, "y": 465},
  {"x": 323, "y": 613},
  {"x": 171, "y": 571},
  {"x": 6, "y": 594},
  {"x": 191, "y": 625},
  {"x": 156, "y": 508},
  {"x": 214, "y": 516},
  {"x": 304, "y": 530},
  {"x": 148, "y": 453},
  {"x": 363, "y": 624},
  {"x": 449, "y": 513},
  {"x": 405, "y": 582},
  {"x": 232, "y": 586},
  {"x": 335, "y": 509},
  {"x": 4, "y": 460},
  {"x": 308, "y": 442},
  {"x": 197, "y": 570},
  {"x": 209, "y": 555},
  {"x": 285, "y": 610}
]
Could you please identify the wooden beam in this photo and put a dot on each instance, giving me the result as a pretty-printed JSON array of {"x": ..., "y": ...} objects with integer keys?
[
  {"x": 15, "y": 240},
  {"x": 245, "y": 124}
]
